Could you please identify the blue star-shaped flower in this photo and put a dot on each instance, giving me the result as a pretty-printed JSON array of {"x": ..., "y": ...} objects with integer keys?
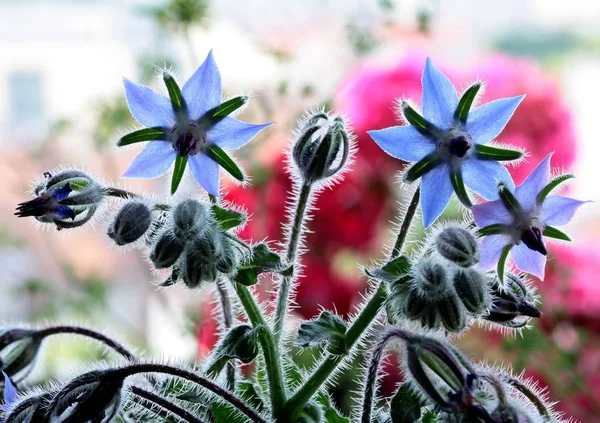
[
  {"x": 516, "y": 222},
  {"x": 191, "y": 124},
  {"x": 447, "y": 143}
]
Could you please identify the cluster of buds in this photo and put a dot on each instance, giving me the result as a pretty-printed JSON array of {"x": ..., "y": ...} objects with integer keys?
[{"x": 68, "y": 199}]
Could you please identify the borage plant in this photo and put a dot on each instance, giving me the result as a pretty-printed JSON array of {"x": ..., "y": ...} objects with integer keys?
[{"x": 416, "y": 303}]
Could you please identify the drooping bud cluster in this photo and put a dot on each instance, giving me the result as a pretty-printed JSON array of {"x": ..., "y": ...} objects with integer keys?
[
  {"x": 322, "y": 148},
  {"x": 68, "y": 199},
  {"x": 444, "y": 289},
  {"x": 194, "y": 245}
]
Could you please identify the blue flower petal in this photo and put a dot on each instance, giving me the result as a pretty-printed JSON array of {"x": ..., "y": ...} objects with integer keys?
[
  {"x": 206, "y": 172},
  {"x": 232, "y": 133},
  {"x": 490, "y": 250},
  {"x": 483, "y": 176},
  {"x": 439, "y": 97},
  {"x": 154, "y": 161},
  {"x": 528, "y": 260},
  {"x": 490, "y": 213},
  {"x": 403, "y": 142},
  {"x": 203, "y": 90},
  {"x": 62, "y": 193},
  {"x": 63, "y": 212},
  {"x": 487, "y": 121},
  {"x": 436, "y": 190},
  {"x": 527, "y": 192},
  {"x": 147, "y": 107},
  {"x": 10, "y": 393},
  {"x": 557, "y": 210}
]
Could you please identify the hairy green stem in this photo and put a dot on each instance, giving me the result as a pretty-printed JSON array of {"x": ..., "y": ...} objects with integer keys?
[
  {"x": 269, "y": 348},
  {"x": 120, "y": 193},
  {"x": 358, "y": 327},
  {"x": 292, "y": 249},
  {"x": 227, "y": 311},
  {"x": 152, "y": 398}
]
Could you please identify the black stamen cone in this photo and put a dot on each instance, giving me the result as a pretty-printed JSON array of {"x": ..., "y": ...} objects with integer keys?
[{"x": 532, "y": 238}]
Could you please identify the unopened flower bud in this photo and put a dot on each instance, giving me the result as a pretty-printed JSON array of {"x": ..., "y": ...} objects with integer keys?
[
  {"x": 472, "y": 288},
  {"x": 18, "y": 351},
  {"x": 31, "y": 410},
  {"x": 167, "y": 250},
  {"x": 457, "y": 245},
  {"x": 68, "y": 199},
  {"x": 91, "y": 397},
  {"x": 199, "y": 263},
  {"x": 190, "y": 218},
  {"x": 130, "y": 223},
  {"x": 513, "y": 305},
  {"x": 228, "y": 261},
  {"x": 322, "y": 147},
  {"x": 431, "y": 279},
  {"x": 452, "y": 313}
]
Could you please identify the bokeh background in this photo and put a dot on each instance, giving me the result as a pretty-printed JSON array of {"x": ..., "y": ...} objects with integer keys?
[{"x": 61, "y": 102}]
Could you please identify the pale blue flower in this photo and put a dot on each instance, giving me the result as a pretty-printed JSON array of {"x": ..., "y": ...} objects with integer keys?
[
  {"x": 188, "y": 130},
  {"x": 448, "y": 143},
  {"x": 517, "y": 222}
]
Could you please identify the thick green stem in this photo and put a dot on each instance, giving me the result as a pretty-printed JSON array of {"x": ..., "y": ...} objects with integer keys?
[
  {"x": 358, "y": 327},
  {"x": 269, "y": 348},
  {"x": 292, "y": 249},
  {"x": 227, "y": 323}
]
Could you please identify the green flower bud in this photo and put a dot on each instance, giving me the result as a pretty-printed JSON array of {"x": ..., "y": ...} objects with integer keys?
[
  {"x": 472, "y": 288},
  {"x": 457, "y": 245},
  {"x": 190, "y": 219},
  {"x": 167, "y": 250},
  {"x": 130, "y": 223}
]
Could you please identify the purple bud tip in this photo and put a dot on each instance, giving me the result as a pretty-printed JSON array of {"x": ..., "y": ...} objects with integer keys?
[
  {"x": 527, "y": 309},
  {"x": 532, "y": 238}
]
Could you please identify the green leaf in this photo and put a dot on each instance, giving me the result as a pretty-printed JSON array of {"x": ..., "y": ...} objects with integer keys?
[
  {"x": 465, "y": 103},
  {"x": 459, "y": 188},
  {"x": 180, "y": 164},
  {"x": 248, "y": 391},
  {"x": 508, "y": 199},
  {"x": 225, "y": 413},
  {"x": 227, "y": 218},
  {"x": 495, "y": 229},
  {"x": 330, "y": 413},
  {"x": 228, "y": 107},
  {"x": 311, "y": 413},
  {"x": 262, "y": 260},
  {"x": 327, "y": 327},
  {"x": 551, "y": 186},
  {"x": 415, "y": 119},
  {"x": 239, "y": 343},
  {"x": 146, "y": 134},
  {"x": 430, "y": 416},
  {"x": 423, "y": 166},
  {"x": 552, "y": 232},
  {"x": 405, "y": 406},
  {"x": 391, "y": 271},
  {"x": 502, "y": 262},
  {"x": 499, "y": 154},
  {"x": 174, "y": 93},
  {"x": 223, "y": 159}
]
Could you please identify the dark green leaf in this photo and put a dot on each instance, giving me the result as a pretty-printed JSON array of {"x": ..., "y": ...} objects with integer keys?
[
  {"x": 502, "y": 262},
  {"x": 423, "y": 166},
  {"x": 459, "y": 188},
  {"x": 429, "y": 417},
  {"x": 551, "y": 186},
  {"x": 415, "y": 119},
  {"x": 508, "y": 199},
  {"x": 262, "y": 260},
  {"x": 146, "y": 134},
  {"x": 330, "y": 413},
  {"x": 225, "y": 413},
  {"x": 465, "y": 103},
  {"x": 228, "y": 107},
  {"x": 174, "y": 92},
  {"x": 499, "y": 154},
  {"x": 495, "y": 229},
  {"x": 552, "y": 232},
  {"x": 227, "y": 218},
  {"x": 327, "y": 327},
  {"x": 406, "y": 405},
  {"x": 223, "y": 159},
  {"x": 249, "y": 393},
  {"x": 391, "y": 271},
  {"x": 180, "y": 164},
  {"x": 239, "y": 343}
]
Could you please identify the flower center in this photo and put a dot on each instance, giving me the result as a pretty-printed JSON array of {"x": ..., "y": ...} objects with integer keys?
[
  {"x": 455, "y": 144},
  {"x": 532, "y": 238},
  {"x": 187, "y": 138}
]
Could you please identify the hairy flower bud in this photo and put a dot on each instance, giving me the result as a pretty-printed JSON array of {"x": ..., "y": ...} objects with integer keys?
[
  {"x": 18, "y": 351},
  {"x": 200, "y": 258},
  {"x": 31, "y": 410},
  {"x": 130, "y": 223},
  {"x": 167, "y": 250},
  {"x": 472, "y": 288},
  {"x": 68, "y": 199},
  {"x": 190, "y": 219},
  {"x": 457, "y": 245},
  {"x": 92, "y": 397},
  {"x": 513, "y": 305},
  {"x": 452, "y": 313},
  {"x": 322, "y": 147},
  {"x": 431, "y": 279}
]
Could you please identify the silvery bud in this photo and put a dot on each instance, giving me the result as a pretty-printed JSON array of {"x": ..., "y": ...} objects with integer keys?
[
  {"x": 472, "y": 288},
  {"x": 18, "y": 351},
  {"x": 190, "y": 219},
  {"x": 513, "y": 305},
  {"x": 31, "y": 410},
  {"x": 322, "y": 147},
  {"x": 457, "y": 245},
  {"x": 452, "y": 313},
  {"x": 199, "y": 262},
  {"x": 93, "y": 397},
  {"x": 166, "y": 250},
  {"x": 431, "y": 279},
  {"x": 68, "y": 199},
  {"x": 130, "y": 223},
  {"x": 228, "y": 261}
]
